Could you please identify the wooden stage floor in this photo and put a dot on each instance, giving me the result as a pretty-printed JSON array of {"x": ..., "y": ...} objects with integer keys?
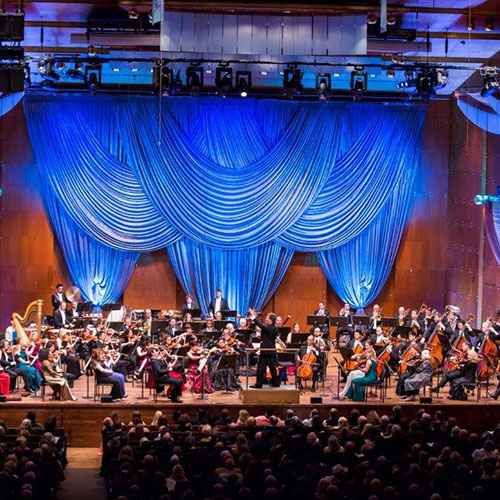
[{"x": 83, "y": 418}]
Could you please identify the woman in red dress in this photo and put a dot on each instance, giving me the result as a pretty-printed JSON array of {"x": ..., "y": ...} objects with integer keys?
[{"x": 197, "y": 369}]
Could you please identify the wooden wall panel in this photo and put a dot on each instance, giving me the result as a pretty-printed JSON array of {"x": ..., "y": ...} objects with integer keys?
[
  {"x": 30, "y": 259},
  {"x": 153, "y": 283}
]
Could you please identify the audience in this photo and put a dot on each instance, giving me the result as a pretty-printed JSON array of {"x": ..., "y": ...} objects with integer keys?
[
  {"x": 370, "y": 456},
  {"x": 32, "y": 459}
]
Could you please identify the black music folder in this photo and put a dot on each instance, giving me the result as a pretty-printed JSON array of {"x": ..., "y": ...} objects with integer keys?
[
  {"x": 316, "y": 320},
  {"x": 390, "y": 322},
  {"x": 361, "y": 320},
  {"x": 299, "y": 338},
  {"x": 220, "y": 325},
  {"x": 229, "y": 314},
  {"x": 340, "y": 321},
  {"x": 84, "y": 307},
  {"x": 284, "y": 330},
  {"x": 158, "y": 325},
  {"x": 403, "y": 331},
  {"x": 195, "y": 312}
]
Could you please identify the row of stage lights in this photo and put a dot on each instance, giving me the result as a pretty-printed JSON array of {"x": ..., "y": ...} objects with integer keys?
[{"x": 425, "y": 80}]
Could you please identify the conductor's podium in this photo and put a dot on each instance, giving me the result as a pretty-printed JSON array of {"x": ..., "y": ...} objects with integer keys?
[{"x": 285, "y": 395}]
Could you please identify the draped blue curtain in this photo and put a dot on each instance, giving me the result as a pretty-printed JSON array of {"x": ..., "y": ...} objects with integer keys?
[
  {"x": 101, "y": 272},
  {"x": 358, "y": 270},
  {"x": 227, "y": 185},
  {"x": 247, "y": 277}
]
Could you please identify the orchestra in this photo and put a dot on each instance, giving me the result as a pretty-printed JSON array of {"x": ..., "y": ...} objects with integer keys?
[{"x": 172, "y": 350}]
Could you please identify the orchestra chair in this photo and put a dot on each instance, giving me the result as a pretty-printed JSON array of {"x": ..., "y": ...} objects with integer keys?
[
  {"x": 379, "y": 385},
  {"x": 99, "y": 388},
  {"x": 43, "y": 386}
]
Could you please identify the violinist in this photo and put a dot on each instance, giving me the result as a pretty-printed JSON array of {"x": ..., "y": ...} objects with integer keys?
[
  {"x": 57, "y": 382},
  {"x": 419, "y": 375},
  {"x": 196, "y": 373},
  {"x": 308, "y": 349},
  {"x": 230, "y": 340},
  {"x": 357, "y": 344},
  {"x": 380, "y": 339},
  {"x": 222, "y": 379},
  {"x": 162, "y": 370},
  {"x": 66, "y": 346},
  {"x": 147, "y": 322},
  {"x": 359, "y": 369},
  {"x": 463, "y": 369},
  {"x": 55, "y": 355},
  {"x": 104, "y": 373}
]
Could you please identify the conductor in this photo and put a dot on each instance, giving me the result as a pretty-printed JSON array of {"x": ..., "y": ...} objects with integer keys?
[{"x": 267, "y": 357}]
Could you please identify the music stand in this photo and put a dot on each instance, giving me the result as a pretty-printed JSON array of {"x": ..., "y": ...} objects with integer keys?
[
  {"x": 229, "y": 314},
  {"x": 227, "y": 362},
  {"x": 284, "y": 330},
  {"x": 195, "y": 312},
  {"x": 403, "y": 331},
  {"x": 84, "y": 307},
  {"x": 77, "y": 323},
  {"x": 220, "y": 325},
  {"x": 339, "y": 321},
  {"x": 346, "y": 353},
  {"x": 286, "y": 359},
  {"x": 390, "y": 322},
  {"x": 115, "y": 325},
  {"x": 182, "y": 350},
  {"x": 299, "y": 338},
  {"x": 316, "y": 320},
  {"x": 361, "y": 320}
]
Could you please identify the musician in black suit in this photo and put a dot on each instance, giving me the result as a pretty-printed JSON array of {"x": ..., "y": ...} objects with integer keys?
[
  {"x": 61, "y": 318},
  {"x": 308, "y": 349},
  {"x": 345, "y": 330},
  {"x": 8, "y": 362},
  {"x": 59, "y": 296},
  {"x": 267, "y": 358},
  {"x": 218, "y": 304},
  {"x": 163, "y": 378},
  {"x": 322, "y": 311},
  {"x": 188, "y": 305},
  {"x": 209, "y": 327},
  {"x": 170, "y": 331}
]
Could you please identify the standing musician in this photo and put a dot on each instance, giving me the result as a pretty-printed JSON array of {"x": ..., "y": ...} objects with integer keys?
[
  {"x": 162, "y": 370},
  {"x": 219, "y": 304},
  {"x": 322, "y": 311},
  {"x": 188, "y": 305},
  {"x": 417, "y": 376},
  {"x": 462, "y": 368},
  {"x": 345, "y": 330},
  {"x": 58, "y": 296},
  {"x": 309, "y": 348},
  {"x": 267, "y": 357}
]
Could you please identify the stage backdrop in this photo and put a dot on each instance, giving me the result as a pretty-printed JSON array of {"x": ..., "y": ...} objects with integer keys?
[{"x": 211, "y": 178}]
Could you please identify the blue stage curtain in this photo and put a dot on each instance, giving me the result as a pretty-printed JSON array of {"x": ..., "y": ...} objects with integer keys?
[
  {"x": 247, "y": 277},
  {"x": 358, "y": 270},
  {"x": 100, "y": 272}
]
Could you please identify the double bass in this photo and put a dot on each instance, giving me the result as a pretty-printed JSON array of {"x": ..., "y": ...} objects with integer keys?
[{"x": 488, "y": 356}]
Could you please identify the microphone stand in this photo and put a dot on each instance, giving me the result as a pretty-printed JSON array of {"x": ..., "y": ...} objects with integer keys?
[{"x": 86, "y": 369}]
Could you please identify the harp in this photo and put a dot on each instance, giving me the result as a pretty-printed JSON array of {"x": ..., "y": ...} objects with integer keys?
[{"x": 35, "y": 306}]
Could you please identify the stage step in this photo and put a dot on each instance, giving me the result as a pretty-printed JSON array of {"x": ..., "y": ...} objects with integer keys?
[{"x": 270, "y": 395}]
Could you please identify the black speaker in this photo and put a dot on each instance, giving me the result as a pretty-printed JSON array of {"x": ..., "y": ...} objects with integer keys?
[
  {"x": 3, "y": 398},
  {"x": 106, "y": 399},
  {"x": 316, "y": 400},
  {"x": 11, "y": 27},
  {"x": 426, "y": 400}
]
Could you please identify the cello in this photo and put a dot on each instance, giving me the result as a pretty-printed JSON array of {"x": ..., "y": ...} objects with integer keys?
[{"x": 305, "y": 370}]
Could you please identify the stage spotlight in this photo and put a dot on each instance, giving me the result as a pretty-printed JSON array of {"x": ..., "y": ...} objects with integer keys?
[
  {"x": 489, "y": 26},
  {"x": 426, "y": 81},
  {"x": 177, "y": 86},
  {"x": 223, "y": 79},
  {"x": 60, "y": 65},
  {"x": 490, "y": 84},
  {"x": 93, "y": 78},
  {"x": 91, "y": 51},
  {"x": 390, "y": 73},
  {"x": 292, "y": 81},
  {"x": 372, "y": 18},
  {"x": 471, "y": 25},
  {"x": 323, "y": 85},
  {"x": 48, "y": 73},
  {"x": 194, "y": 80},
  {"x": 133, "y": 14},
  {"x": 359, "y": 82},
  {"x": 243, "y": 82},
  {"x": 391, "y": 20}
]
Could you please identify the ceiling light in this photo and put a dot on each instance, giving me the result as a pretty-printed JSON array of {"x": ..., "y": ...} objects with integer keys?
[
  {"x": 323, "y": 85},
  {"x": 91, "y": 51},
  {"x": 223, "y": 79},
  {"x": 359, "y": 82},
  {"x": 194, "y": 80},
  {"x": 489, "y": 26},
  {"x": 391, "y": 20},
  {"x": 244, "y": 82},
  {"x": 292, "y": 81},
  {"x": 133, "y": 14},
  {"x": 372, "y": 18},
  {"x": 390, "y": 73},
  {"x": 263, "y": 73},
  {"x": 471, "y": 25},
  {"x": 490, "y": 84}
]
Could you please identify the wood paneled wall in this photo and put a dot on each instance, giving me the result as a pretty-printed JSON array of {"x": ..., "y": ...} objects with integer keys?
[{"x": 437, "y": 260}]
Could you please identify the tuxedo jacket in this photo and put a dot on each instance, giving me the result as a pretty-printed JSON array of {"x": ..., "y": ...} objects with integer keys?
[
  {"x": 224, "y": 306},
  {"x": 56, "y": 301},
  {"x": 58, "y": 319}
]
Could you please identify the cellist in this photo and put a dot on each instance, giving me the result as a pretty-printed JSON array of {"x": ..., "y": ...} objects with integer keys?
[{"x": 305, "y": 352}]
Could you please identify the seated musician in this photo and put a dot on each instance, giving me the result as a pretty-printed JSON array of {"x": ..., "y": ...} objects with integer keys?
[
  {"x": 380, "y": 339},
  {"x": 243, "y": 324},
  {"x": 401, "y": 316},
  {"x": 415, "y": 322},
  {"x": 171, "y": 330},
  {"x": 66, "y": 346},
  {"x": 222, "y": 379},
  {"x": 295, "y": 329},
  {"x": 104, "y": 374},
  {"x": 230, "y": 340},
  {"x": 55, "y": 354},
  {"x": 428, "y": 324},
  {"x": 345, "y": 330},
  {"x": 357, "y": 344},
  {"x": 10, "y": 332},
  {"x": 218, "y": 316},
  {"x": 8, "y": 363},
  {"x": 462, "y": 371},
  {"x": 61, "y": 319},
  {"x": 323, "y": 347},
  {"x": 162, "y": 371},
  {"x": 209, "y": 327},
  {"x": 58, "y": 383},
  {"x": 309, "y": 348},
  {"x": 4, "y": 382},
  {"x": 357, "y": 382},
  {"x": 487, "y": 331},
  {"x": 196, "y": 374},
  {"x": 71, "y": 311},
  {"x": 141, "y": 351},
  {"x": 462, "y": 331},
  {"x": 417, "y": 376},
  {"x": 441, "y": 323}
]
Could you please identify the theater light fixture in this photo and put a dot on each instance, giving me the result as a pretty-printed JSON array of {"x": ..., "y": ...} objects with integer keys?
[
  {"x": 490, "y": 84},
  {"x": 292, "y": 81},
  {"x": 223, "y": 79},
  {"x": 359, "y": 82},
  {"x": 244, "y": 82}
]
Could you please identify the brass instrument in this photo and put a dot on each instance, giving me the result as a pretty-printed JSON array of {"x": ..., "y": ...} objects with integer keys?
[
  {"x": 73, "y": 294},
  {"x": 17, "y": 319}
]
